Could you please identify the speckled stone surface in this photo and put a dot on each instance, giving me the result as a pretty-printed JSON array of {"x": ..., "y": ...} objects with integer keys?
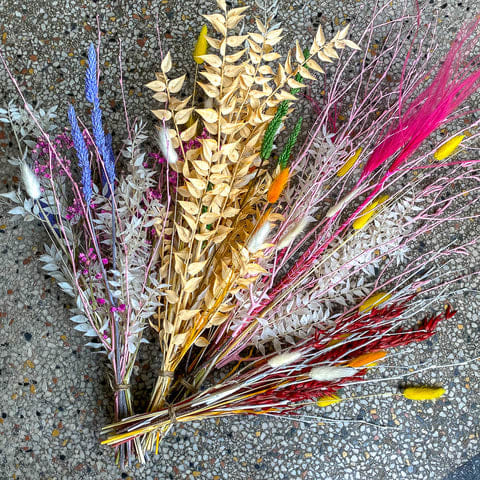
[{"x": 53, "y": 395}]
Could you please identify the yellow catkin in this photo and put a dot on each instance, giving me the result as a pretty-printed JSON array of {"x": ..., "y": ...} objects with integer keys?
[
  {"x": 374, "y": 301},
  {"x": 190, "y": 121},
  {"x": 337, "y": 340},
  {"x": 448, "y": 148},
  {"x": 367, "y": 359},
  {"x": 201, "y": 46},
  {"x": 423, "y": 393},
  {"x": 348, "y": 165},
  {"x": 328, "y": 400},
  {"x": 368, "y": 212},
  {"x": 277, "y": 186}
]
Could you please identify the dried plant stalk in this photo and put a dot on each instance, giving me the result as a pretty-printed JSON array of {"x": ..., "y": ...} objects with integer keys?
[{"x": 222, "y": 214}]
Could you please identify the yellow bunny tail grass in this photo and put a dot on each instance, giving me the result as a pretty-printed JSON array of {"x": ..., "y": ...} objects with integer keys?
[
  {"x": 201, "y": 46},
  {"x": 350, "y": 163},
  {"x": 278, "y": 185},
  {"x": 328, "y": 400},
  {"x": 373, "y": 301},
  {"x": 339, "y": 339},
  {"x": 448, "y": 148},
  {"x": 369, "y": 211},
  {"x": 423, "y": 393},
  {"x": 367, "y": 359}
]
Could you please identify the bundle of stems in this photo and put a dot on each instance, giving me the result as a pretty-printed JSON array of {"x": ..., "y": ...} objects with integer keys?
[
  {"x": 223, "y": 207},
  {"x": 99, "y": 221},
  {"x": 293, "y": 269},
  {"x": 300, "y": 294}
]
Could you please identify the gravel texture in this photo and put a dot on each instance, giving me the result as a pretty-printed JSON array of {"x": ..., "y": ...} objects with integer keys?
[{"x": 53, "y": 396}]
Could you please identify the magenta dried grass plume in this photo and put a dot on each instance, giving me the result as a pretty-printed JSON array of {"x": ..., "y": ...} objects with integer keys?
[{"x": 457, "y": 79}]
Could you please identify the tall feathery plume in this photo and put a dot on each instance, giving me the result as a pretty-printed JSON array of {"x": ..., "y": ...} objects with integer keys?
[{"x": 456, "y": 80}]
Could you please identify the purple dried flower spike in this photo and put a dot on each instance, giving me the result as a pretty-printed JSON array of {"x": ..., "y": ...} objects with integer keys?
[
  {"x": 102, "y": 142},
  {"x": 82, "y": 154}
]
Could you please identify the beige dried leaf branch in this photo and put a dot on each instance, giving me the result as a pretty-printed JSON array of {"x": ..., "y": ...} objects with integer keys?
[{"x": 220, "y": 202}]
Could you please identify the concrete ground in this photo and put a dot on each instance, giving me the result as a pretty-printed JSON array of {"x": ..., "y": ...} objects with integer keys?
[{"x": 53, "y": 395}]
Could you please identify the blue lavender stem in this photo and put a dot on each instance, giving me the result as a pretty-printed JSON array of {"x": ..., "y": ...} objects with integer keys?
[
  {"x": 103, "y": 143},
  {"x": 91, "y": 94},
  {"x": 82, "y": 155},
  {"x": 104, "y": 147},
  {"x": 91, "y": 87}
]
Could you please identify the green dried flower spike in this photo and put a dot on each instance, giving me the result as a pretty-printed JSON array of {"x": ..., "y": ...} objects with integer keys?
[
  {"x": 272, "y": 129},
  {"x": 274, "y": 125},
  {"x": 287, "y": 149}
]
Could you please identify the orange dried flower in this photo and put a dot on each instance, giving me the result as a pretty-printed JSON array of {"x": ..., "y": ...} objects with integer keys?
[
  {"x": 367, "y": 358},
  {"x": 278, "y": 185}
]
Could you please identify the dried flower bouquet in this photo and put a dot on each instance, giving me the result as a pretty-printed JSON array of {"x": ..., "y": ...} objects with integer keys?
[
  {"x": 100, "y": 224},
  {"x": 292, "y": 268},
  {"x": 294, "y": 290}
]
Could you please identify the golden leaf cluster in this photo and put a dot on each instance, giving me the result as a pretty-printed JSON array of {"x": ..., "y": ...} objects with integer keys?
[{"x": 221, "y": 197}]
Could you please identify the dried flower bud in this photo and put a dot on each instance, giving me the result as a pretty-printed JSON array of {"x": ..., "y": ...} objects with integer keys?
[
  {"x": 368, "y": 212},
  {"x": 291, "y": 140},
  {"x": 166, "y": 145},
  {"x": 423, "y": 393},
  {"x": 328, "y": 400},
  {"x": 327, "y": 374},
  {"x": 201, "y": 46},
  {"x": 294, "y": 231},
  {"x": 278, "y": 185},
  {"x": 367, "y": 359},
  {"x": 448, "y": 147},
  {"x": 32, "y": 185},
  {"x": 350, "y": 163},
  {"x": 340, "y": 204},
  {"x": 259, "y": 237},
  {"x": 374, "y": 301},
  {"x": 284, "y": 359}
]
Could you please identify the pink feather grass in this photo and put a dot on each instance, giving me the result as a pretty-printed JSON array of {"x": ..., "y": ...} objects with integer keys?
[{"x": 457, "y": 79}]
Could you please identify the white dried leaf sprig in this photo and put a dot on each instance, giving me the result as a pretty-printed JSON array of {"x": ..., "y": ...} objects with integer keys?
[
  {"x": 26, "y": 131},
  {"x": 343, "y": 279}
]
